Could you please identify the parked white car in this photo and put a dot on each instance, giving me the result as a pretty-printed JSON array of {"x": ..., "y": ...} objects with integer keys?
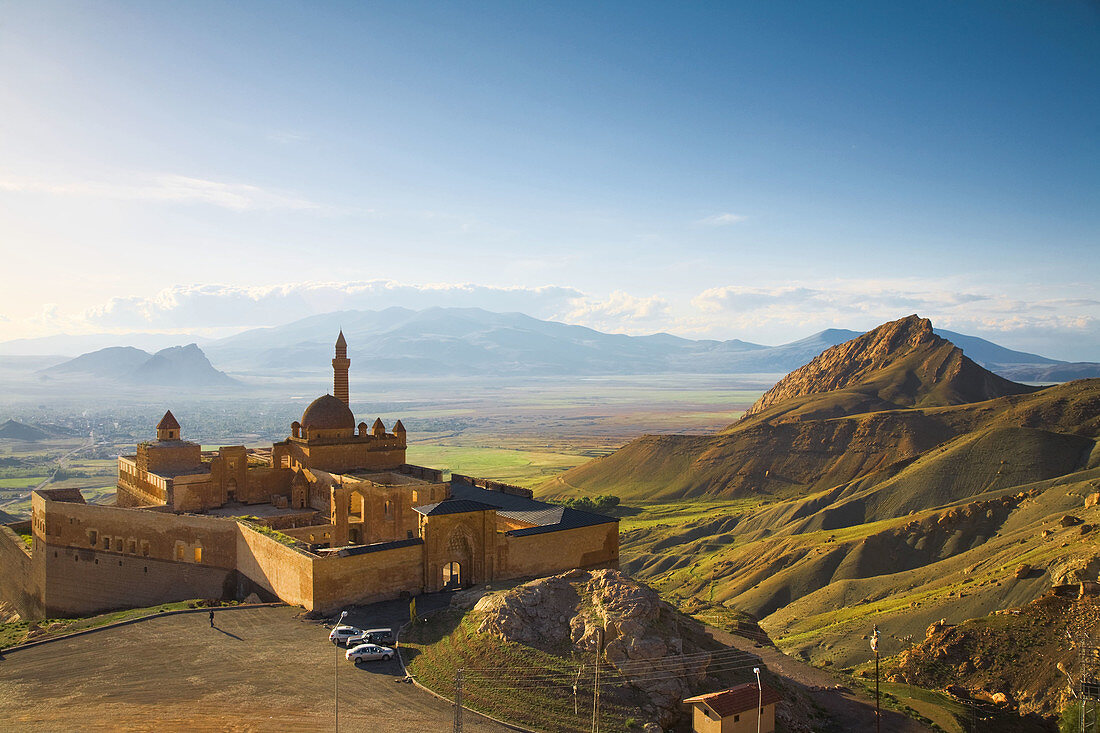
[
  {"x": 368, "y": 653},
  {"x": 342, "y": 634}
]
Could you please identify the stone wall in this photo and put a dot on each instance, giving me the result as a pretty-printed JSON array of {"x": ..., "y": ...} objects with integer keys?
[
  {"x": 138, "y": 533},
  {"x": 547, "y": 553},
  {"x": 368, "y": 577},
  {"x": 19, "y": 581},
  {"x": 282, "y": 570},
  {"x": 83, "y": 582}
]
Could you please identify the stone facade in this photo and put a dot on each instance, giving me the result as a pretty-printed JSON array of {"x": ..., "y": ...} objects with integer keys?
[{"x": 331, "y": 516}]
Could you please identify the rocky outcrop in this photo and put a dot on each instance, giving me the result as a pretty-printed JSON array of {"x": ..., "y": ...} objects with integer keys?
[
  {"x": 902, "y": 363},
  {"x": 639, "y": 632}
]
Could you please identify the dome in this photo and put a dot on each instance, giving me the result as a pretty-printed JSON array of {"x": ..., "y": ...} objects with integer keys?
[{"x": 328, "y": 413}]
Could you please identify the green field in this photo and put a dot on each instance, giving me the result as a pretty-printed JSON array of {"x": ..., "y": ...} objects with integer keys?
[
  {"x": 519, "y": 467},
  {"x": 21, "y": 483}
]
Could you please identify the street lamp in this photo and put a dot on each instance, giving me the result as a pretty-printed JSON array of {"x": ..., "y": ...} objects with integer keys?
[
  {"x": 759, "y": 698},
  {"x": 336, "y": 676}
]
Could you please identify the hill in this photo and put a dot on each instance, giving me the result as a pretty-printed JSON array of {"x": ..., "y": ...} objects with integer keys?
[
  {"x": 113, "y": 362},
  {"x": 182, "y": 366},
  {"x": 12, "y": 430},
  {"x": 892, "y": 481},
  {"x": 899, "y": 364},
  {"x": 536, "y": 641}
]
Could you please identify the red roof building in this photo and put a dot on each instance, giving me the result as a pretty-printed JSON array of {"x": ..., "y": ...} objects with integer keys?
[{"x": 734, "y": 710}]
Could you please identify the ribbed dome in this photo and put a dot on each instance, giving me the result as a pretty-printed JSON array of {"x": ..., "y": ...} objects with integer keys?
[{"x": 328, "y": 413}]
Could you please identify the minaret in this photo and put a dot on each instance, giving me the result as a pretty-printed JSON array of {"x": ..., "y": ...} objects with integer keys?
[{"x": 340, "y": 371}]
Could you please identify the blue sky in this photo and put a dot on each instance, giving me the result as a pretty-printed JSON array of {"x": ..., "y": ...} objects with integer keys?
[{"x": 754, "y": 170}]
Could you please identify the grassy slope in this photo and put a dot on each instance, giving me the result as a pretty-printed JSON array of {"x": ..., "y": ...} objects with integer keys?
[{"x": 782, "y": 452}]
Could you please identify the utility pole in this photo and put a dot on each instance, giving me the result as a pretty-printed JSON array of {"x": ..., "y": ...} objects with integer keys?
[
  {"x": 336, "y": 678},
  {"x": 576, "y": 709},
  {"x": 596, "y": 684},
  {"x": 759, "y": 698},
  {"x": 878, "y": 711},
  {"x": 458, "y": 702}
]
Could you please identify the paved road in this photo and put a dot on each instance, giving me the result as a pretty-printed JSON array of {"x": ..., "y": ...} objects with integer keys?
[{"x": 258, "y": 670}]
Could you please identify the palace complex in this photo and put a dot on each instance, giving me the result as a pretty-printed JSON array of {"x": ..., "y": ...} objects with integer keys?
[{"x": 330, "y": 516}]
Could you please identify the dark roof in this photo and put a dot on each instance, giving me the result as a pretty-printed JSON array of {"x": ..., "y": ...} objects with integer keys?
[
  {"x": 548, "y": 517},
  {"x": 499, "y": 499},
  {"x": 736, "y": 699},
  {"x": 554, "y": 519},
  {"x": 168, "y": 422},
  {"x": 379, "y": 546},
  {"x": 328, "y": 413},
  {"x": 453, "y": 506}
]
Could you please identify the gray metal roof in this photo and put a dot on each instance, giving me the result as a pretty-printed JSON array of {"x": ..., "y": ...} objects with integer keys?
[{"x": 454, "y": 506}]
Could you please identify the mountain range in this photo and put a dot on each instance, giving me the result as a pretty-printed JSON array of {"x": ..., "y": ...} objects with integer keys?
[
  {"x": 181, "y": 366},
  {"x": 456, "y": 342},
  {"x": 891, "y": 481}
]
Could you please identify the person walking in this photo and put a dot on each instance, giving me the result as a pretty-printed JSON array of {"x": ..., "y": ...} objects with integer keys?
[{"x": 211, "y": 618}]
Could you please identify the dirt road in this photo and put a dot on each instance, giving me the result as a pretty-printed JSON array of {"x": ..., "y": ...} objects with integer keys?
[{"x": 850, "y": 711}]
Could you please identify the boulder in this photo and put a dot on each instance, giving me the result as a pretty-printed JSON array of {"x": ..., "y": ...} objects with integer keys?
[
  {"x": 1070, "y": 521},
  {"x": 1022, "y": 570},
  {"x": 1092, "y": 499}
]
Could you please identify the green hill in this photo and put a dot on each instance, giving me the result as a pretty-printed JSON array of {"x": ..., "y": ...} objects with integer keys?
[{"x": 893, "y": 483}]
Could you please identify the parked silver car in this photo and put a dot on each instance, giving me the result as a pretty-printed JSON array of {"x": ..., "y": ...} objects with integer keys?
[
  {"x": 368, "y": 653},
  {"x": 345, "y": 634}
]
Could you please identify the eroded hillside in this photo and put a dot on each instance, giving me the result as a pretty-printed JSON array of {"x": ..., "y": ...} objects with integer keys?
[{"x": 891, "y": 481}]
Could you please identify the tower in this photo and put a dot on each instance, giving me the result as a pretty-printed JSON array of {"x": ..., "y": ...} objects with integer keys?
[
  {"x": 340, "y": 367},
  {"x": 168, "y": 428}
]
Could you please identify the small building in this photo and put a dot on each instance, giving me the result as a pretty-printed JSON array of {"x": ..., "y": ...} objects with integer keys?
[{"x": 734, "y": 710}]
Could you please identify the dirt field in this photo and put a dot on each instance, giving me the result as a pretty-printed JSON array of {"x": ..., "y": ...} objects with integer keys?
[{"x": 258, "y": 670}]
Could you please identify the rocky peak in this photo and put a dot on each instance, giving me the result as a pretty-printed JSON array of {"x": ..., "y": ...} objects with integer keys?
[{"x": 902, "y": 363}]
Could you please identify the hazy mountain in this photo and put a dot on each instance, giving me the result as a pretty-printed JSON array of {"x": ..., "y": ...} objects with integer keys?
[
  {"x": 113, "y": 362},
  {"x": 13, "y": 430},
  {"x": 447, "y": 342},
  {"x": 183, "y": 366},
  {"x": 471, "y": 341}
]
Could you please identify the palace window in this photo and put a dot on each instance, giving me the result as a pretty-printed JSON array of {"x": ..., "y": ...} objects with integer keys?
[
  {"x": 198, "y": 554},
  {"x": 93, "y": 537}
]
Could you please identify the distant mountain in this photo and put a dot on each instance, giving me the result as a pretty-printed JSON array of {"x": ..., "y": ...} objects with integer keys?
[
  {"x": 449, "y": 342},
  {"x": 469, "y": 341},
  {"x": 183, "y": 366},
  {"x": 114, "y": 362},
  {"x": 13, "y": 430}
]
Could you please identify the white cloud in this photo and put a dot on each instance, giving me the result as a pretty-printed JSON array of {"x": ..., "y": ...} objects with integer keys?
[
  {"x": 619, "y": 313},
  {"x": 165, "y": 188},
  {"x": 721, "y": 220}
]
